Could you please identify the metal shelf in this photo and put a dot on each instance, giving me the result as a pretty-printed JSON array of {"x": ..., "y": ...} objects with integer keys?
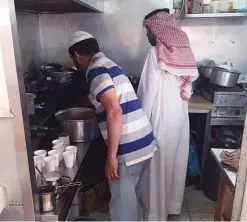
[{"x": 216, "y": 15}]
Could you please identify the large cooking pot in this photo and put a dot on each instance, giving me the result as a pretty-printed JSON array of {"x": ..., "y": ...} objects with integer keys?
[
  {"x": 224, "y": 77},
  {"x": 206, "y": 71},
  {"x": 62, "y": 77},
  {"x": 79, "y": 123},
  {"x": 30, "y": 103}
]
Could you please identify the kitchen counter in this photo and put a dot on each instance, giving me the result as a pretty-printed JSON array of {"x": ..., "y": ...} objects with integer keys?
[
  {"x": 230, "y": 174},
  {"x": 226, "y": 188},
  {"x": 197, "y": 104},
  {"x": 89, "y": 169}
]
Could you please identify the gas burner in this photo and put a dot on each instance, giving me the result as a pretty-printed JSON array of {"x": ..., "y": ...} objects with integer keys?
[
  {"x": 229, "y": 104},
  {"x": 236, "y": 88},
  {"x": 209, "y": 91}
]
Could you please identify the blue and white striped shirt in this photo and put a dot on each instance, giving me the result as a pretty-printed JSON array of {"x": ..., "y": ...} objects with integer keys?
[{"x": 137, "y": 141}]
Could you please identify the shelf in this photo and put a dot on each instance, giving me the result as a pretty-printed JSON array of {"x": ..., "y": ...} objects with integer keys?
[{"x": 216, "y": 15}]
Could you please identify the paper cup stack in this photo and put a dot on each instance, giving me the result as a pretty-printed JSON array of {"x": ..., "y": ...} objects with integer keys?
[
  {"x": 41, "y": 160},
  {"x": 58, "y": 146},
  {"x": 61, "y": 149},
  {"x": 69, "y": 156}
]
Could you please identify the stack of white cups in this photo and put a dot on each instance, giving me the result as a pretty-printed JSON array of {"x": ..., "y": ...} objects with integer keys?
[
  {"x": 43, "y": 161},
  {"x": 67, "y": 153},
  {"x": 59, "y": 146},
  {"x": 57, "y": 154},
  {"x": 70, "y": 156},
  {"x": 50, "y": 163},
  {"x": 38, "y": 158}
]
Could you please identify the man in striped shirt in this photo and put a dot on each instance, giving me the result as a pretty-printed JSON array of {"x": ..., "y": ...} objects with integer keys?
[{"x": 123, "y": 125}]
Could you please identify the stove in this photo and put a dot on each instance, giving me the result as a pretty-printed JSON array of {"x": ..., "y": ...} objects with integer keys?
[{"x": 229, "y": 104}]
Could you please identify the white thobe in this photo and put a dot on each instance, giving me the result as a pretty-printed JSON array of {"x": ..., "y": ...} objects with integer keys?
[{"x": 159, "y": 94}]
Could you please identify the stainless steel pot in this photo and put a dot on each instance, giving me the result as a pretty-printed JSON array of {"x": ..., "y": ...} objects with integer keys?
[
  {"x": 63, "y": 77},
  {"x": 30, "y": 103},
  {"x": 224, "y": 77},
  {"x": 47, "y": 198},
  {"x": 206, "y": 71},
  {"x": 79, "y": 123}
]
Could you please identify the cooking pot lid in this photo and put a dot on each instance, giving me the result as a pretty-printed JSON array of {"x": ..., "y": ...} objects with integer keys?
[
  {"x": 227, "y": 70},
  {"x": 206, "y": 66},
  {"x": 228, "y": 67}
]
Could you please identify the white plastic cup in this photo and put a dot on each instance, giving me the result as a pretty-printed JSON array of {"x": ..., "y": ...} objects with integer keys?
[
  {"x": 56, "y": 142},
  {"x": 69, "y": 157},
  {"x": 56, "y": 154},
  {"x": 40, "y": 153},
  {"x": 73, "y": 149},
  {"x": 61, "y": 154},
  {"x": 64, "y": 137},
  {"x": 50, "y": 163},
  {"x": 58, "y": 146},
  {"x": 38, "y": 162}
]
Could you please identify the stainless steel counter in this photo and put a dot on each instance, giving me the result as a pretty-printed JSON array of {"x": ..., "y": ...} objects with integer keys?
[
  {"x": 72, "y": 173},
  {"x": 230, "y": 174}
]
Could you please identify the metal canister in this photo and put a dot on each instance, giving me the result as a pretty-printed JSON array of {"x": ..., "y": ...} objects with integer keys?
[{"x": 47, "y": 198}]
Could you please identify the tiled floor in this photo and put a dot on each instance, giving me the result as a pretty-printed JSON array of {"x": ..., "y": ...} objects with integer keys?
[{"x": 196, "y": 207}]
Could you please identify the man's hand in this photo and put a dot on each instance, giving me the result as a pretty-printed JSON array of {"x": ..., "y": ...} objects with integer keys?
[{"x": 112, "y": 169}]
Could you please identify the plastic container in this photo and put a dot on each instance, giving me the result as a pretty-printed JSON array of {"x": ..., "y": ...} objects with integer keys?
[
  {"x": 215, "y": 7},
  {"x": 206, "y": 8},
  {"x": 230, "y": 6},
  {"x": 224, "y": 6}
]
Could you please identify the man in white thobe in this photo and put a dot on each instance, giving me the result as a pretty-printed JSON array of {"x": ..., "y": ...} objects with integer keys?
[{"x": 164, "y": 91}]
